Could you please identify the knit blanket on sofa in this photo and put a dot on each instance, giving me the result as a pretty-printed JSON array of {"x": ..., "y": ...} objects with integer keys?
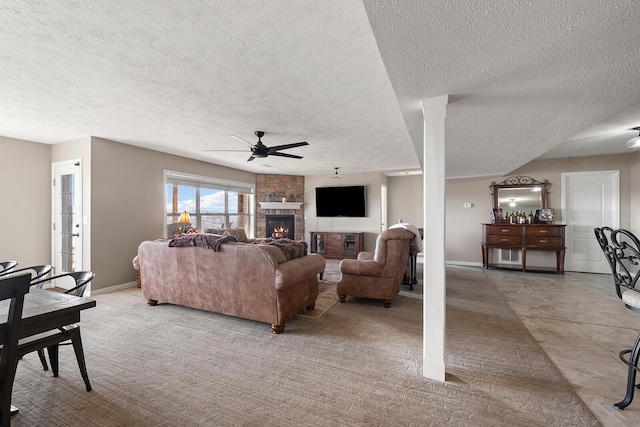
[
  {"x": 291, "y": 248},
  {"x": 201, "y": 240}
]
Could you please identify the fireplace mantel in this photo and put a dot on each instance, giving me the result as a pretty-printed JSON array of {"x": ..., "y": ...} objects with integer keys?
[{"x": 280, "y": 205}]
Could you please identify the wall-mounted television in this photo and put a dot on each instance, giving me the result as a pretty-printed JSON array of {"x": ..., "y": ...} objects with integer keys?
[{"x": 341, "y": 201}]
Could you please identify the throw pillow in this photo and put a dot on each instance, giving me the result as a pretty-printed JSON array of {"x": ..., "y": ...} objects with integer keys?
[{"x": 240, "y": 234}]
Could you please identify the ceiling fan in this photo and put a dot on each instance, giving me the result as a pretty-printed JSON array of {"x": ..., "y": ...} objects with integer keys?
[{"x": 261, "y": 150}]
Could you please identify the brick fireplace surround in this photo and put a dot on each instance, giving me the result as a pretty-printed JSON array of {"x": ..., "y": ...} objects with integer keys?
[{"x": 274, "y": 188}]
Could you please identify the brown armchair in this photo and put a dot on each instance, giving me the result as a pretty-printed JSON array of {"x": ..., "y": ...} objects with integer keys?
[{"x": 377, "y": 275}]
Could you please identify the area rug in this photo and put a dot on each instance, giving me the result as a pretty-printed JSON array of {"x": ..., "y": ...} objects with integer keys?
[{"x": 327, "y": 298}]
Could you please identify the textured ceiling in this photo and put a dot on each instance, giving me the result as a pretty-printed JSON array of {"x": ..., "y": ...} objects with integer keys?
[{"x": 524, "y": 79}]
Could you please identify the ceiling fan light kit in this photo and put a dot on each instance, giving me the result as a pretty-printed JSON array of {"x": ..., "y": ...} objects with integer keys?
[{"x": 634, "y": 142}]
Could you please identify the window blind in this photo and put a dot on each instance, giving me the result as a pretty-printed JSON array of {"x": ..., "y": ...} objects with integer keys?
[{"x": 179, "y": 178}]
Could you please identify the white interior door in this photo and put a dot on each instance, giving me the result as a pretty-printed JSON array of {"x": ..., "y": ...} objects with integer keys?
[
  {"x": 589, "y": 200},
  {"x": 67, "y": 216}
]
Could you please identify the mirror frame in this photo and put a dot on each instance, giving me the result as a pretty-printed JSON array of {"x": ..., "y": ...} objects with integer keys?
[{"x": 520, "y": 181}]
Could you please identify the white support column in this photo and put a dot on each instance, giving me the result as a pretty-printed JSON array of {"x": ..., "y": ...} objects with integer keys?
[{"x": 434, "y": 111}]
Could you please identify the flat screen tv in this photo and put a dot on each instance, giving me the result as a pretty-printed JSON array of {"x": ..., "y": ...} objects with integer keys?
[{"x": 340, "y": 201}]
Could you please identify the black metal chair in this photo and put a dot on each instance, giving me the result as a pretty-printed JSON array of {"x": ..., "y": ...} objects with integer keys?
[
  {"x": 81, "y": 278},
  {"x": 622, "y": 250},
  {"x": 7, "y": 265},
  {"x": 53, "y": 339},
  {"x": 37, "y": 271},
  {"x": 13, "y": 288}
]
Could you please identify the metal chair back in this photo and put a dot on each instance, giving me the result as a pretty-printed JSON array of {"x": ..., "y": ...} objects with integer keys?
[
  {"x": 621, "y": 248},
  {"x": 7, "y": 265},
  {"x": 13, "y": 288},
  {"x": 82, "y": 279}
]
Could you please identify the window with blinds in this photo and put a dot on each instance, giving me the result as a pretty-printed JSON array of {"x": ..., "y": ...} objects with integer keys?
[{"x": 210, "y": 202}]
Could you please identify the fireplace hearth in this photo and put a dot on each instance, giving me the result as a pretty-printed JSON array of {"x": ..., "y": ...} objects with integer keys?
[{"x": 281, "y": 226}]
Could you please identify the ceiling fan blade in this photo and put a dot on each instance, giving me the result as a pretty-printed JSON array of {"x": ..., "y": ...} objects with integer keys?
[
  {"x": 250, "y": 158},
  {"x": 285, "y": 146},
  {"x": 213, "y": 149},
  {"x": 237, "y": 138},
  {"x": 276, "y": 153}
]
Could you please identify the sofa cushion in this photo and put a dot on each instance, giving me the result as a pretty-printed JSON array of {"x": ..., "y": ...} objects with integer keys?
[
  {"x": 291, "y": 248},
  {"x": 237, "y": 232},
  {"x": 202, "y": 240},
  {"x": 275, "y": 252}
]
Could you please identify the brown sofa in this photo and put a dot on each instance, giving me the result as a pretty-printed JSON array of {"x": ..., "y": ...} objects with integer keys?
[
  {"x": 238, "y": 233},
  {"x": 377, "y": 275},
  {"x": 251, "y": 281}
]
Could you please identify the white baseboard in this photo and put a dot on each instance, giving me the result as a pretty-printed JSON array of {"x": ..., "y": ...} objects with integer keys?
[
  {"x": 114, "y": 288},
  {"x": 464, "y": 263}
]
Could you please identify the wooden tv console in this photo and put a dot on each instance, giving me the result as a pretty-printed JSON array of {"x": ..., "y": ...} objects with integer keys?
[{"x": 337, "y": 245}]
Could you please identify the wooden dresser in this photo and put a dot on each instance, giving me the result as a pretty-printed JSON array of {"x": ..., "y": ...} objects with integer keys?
[{"x": 524, "y": 237}]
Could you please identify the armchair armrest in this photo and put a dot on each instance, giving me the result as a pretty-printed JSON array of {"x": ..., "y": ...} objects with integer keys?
[
  {"x": 365, "y": 255},
  {"x": 360, "y": 267}
]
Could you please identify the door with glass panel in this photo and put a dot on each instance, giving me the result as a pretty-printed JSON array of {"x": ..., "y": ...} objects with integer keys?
[{"x": 67, "y": 216}]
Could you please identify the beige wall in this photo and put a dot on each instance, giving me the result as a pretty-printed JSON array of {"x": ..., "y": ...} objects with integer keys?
[
  {"x": 405, "y": 200},
  {"x": 634, "y": 223},
  {"x": 370, "y": 224},
  {"x": 124, "y": 200},
  {"x": 464, "y": 232},
  {"x": 25, "y": 212},
  {"x": 552, "y": 170},
  {"x": 128, "y": 198}
]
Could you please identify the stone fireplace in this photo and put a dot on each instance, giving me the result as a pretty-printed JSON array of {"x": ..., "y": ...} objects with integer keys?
[
  {"x": 280, "y": 226},
  {"x": 272, "y": 188}
]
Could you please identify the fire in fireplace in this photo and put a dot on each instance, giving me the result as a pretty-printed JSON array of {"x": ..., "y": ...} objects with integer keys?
[{"x": 281, "y": 226}]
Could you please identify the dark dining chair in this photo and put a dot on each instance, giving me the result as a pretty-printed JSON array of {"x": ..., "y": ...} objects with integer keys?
[
  {"x": 7, "y": 265},
  {"x": 621, "y": 248},
  {"x": 13, "y": 288},
  {"x": 37, "y": 271},
  {"x": 51, "y": 340}
]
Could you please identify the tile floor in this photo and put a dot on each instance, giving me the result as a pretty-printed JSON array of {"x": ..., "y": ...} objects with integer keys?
[{"x": 582, "y": 325}]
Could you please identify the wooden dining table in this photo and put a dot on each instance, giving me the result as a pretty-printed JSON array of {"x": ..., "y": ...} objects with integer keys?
[{"x": 45, "y": 310}]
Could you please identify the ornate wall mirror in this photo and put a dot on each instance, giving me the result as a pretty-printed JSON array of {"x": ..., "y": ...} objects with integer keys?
[{"x": 520, "y": 193}]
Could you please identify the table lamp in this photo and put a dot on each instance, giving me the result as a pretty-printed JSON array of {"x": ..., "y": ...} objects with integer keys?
[{"x": 185, "y": 219}]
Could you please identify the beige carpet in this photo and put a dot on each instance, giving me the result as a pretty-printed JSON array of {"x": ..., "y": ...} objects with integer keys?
[
  {"x": 327, "y": 297},
  {"x": 358, "y": 364}
]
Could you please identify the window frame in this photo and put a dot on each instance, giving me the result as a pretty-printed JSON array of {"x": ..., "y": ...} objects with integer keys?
[{"x": 203, "y": 182}]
